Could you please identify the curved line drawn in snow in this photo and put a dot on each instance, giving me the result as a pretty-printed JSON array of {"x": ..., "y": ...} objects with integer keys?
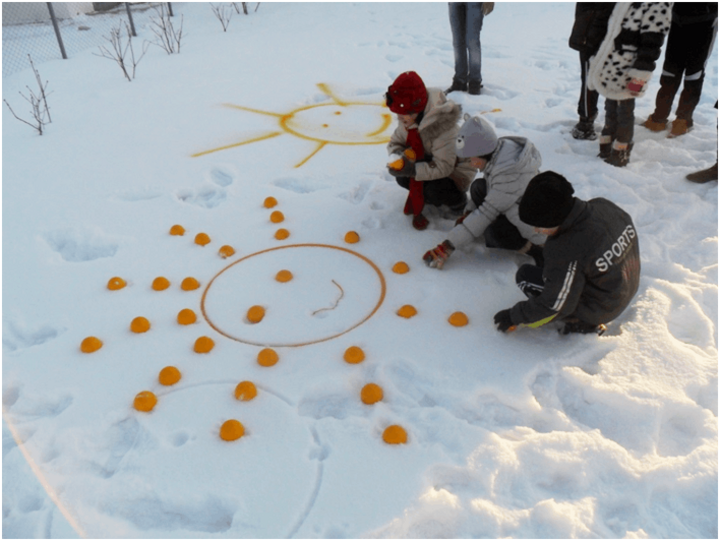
[{"x": 342, "y": 293}]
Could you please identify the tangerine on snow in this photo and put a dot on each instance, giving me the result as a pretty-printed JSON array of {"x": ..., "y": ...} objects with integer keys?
[
  {"x": 283, "y": 276},
  {"x": 354, "y": 355},
  {"x": 140, "y": 325},
  {"x": 255, "y": 314},
  {"x": 203, "y": 344},
  {"x": 116, "y": 283},
  {"x": 189, "y": 284},
  {"x": 226, "y": 251},
  {"x": 269, "y": 202},
  {"x": 202, "y": 239},
  {"x": 245, "y": 391},
  {"x": 90, "y": 344},
  {"x": 160, "y": 283},
  {"x": 401, "y": 267},
  {"x": 177, "y": 230},
  {"x": 145, "y": 401},
  {"x": 277, "y": 217},
  {"x": 371, "y": 393},
  {"x": 281, "y": 234},
  {"x": 458, "y": 319},
  {"x": 186, "y": 316},
  {"x": 169, "y": 375},
  {"x": 395, "y": 435},
  {"x": 351, "y": 237},
  {"x": 231, "y": 430},
  {"x": 407, "y": 311},
  {"x": 267, "y": 358}
]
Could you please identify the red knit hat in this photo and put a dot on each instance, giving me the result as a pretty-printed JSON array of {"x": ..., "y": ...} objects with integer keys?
[{"x": 407, "y": 95}]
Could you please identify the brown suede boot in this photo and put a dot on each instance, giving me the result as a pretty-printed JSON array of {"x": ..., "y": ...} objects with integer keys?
[
  {"x": 680, "y": 127},
  {"x": 652, "y": 125}
]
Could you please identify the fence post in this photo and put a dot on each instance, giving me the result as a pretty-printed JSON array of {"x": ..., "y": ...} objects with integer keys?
[
  {"x": 170, "y": 8},
  {"x": 57, "y": 30},
  {"x": 132, "y": 24}
]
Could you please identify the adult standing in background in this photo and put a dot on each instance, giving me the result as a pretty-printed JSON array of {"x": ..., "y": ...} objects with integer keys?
[
  {"x": 590, "y": 27},
  {"x": 466, "y": 20},
  {"x": 690, "y": 44}
]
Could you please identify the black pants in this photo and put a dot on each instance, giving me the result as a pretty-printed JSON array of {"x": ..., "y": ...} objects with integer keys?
[
  {"x": 587, "y": 105},
  {"x": 688, "y": 49},
  {"x": 500, "y": 233},
  {"x": 438, "y": 192},
  {"x": 619, "y": 120}
]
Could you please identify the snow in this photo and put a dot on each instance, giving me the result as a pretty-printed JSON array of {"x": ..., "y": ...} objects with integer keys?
[{"x": 529, "y": 434}]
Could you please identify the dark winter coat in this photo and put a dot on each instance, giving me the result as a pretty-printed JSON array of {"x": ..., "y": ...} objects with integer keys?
[
  {"x": 591, "y": 20},
  {"x": 684, "y": 13},
  {"x": 592, "y": 267},
  {"x": 631, "y": 46}
]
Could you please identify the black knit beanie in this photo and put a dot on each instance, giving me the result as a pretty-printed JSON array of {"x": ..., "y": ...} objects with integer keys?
[{"x": 547, "y": 201}]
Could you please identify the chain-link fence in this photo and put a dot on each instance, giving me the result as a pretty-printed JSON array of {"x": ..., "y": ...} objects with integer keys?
[{"x": 28, "y": 29}]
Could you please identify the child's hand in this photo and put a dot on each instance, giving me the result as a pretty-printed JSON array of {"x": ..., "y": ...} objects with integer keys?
[
  {"x": 407, "y": 170},
  {"x": 635, "y": 86}
]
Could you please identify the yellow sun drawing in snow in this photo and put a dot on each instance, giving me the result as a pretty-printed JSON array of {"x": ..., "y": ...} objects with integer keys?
[{"x": 337, "y": 122}]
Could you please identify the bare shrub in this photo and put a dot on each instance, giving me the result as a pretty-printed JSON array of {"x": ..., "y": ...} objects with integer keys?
[
  {"x": 120, "y": 46},
  {"x": 167, "y": 36},
  {"x": 38, "y": 103},
  {"x": 224, "y": 13}
]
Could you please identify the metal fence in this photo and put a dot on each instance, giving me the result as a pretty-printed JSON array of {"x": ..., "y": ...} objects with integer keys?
[{"x": 29, "y": 28}]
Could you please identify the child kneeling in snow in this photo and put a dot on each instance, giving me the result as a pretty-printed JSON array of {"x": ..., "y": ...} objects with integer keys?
[
  {"x": 592, "y": 260},
  {"x": 427, "y": 126},
  {"x": 508, "y": 164}
]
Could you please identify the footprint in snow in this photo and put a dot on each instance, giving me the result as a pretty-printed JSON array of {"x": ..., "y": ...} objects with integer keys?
[{"x": 77, "y": 244}]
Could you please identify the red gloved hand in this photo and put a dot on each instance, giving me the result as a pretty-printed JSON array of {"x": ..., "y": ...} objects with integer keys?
[
  {"x": 635, "y": 86},
  {"x": 435, "y": 258}
]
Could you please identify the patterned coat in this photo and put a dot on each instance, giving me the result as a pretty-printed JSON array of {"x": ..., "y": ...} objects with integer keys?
[{"x": 635, "y": 35}]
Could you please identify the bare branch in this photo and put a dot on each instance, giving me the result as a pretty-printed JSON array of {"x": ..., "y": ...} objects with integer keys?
[
  {"x": 119, "y": 51},
  {"x": 167, "y": 36},
  {"x": 224, "y": 13},
  {"x": 38, "y": 103}
]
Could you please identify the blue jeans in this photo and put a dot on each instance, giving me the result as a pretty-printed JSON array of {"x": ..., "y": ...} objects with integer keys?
[{"x": 466, "y": 21}]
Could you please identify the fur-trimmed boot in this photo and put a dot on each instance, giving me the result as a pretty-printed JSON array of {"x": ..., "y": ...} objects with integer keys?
[
  {"x": 605, "y": 146},
  {"x": 619, "y": 154}
]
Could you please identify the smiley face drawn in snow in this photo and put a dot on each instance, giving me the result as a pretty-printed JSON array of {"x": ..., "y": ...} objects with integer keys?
[{"x": 338, "y": 122}]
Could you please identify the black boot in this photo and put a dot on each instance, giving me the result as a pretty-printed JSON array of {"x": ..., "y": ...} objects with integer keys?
[
  {"x": 457, "y": 86},
  {"x": 605, "y": 146},
  {"x": 474, "y": 88},
  {"x": 619, "y": 157},
  {"x": 580, "y": 327},
  {"x": 584, "y": 130},
  {"x": 704, "y": 176}
]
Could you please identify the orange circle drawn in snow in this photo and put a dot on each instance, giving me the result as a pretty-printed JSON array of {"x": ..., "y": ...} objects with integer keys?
[{"x": 383, "y": 290}]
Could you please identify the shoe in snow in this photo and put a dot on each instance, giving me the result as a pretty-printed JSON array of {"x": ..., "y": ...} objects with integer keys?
[
  {"x": 679, "y": 127},
  {"x": 474, "y": 88},
  {"x": 580, "y": 327},
  {"x": 584, "y": 131},
  {"x": 704, "y": 176},
  {"x": 652, "y": 125},
  {"x": 457, "y": 86}
]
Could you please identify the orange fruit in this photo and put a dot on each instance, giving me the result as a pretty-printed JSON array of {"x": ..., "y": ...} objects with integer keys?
[
  {"x": 226, "y": 251},
  {"x": 401, "y": 267},
  {"x": 160, "y": 283},
  {"x": 116, "y": 283},
  {"x": 177, "y": 230},
  {"x": 458, "y": 319},
  {"x": 283, "y": 276},
  {"x": 281, "y": 234},
  {"x": 90, "y": 344},
  {"x": 189, "y": 284},
  {"x": 140, "y": 325},
  {"x": 169, "y": 375},
  {"x": 351, "y": 237},
  {"x": 203, "y": 345},
  {"x": 255, "y": 314},
  {"x": 245, "y": 391},
  {"x": 269, "y": 202},
  {"x": 395, "y": 435},
  {"x": 145, "y": 401},
  {"x": 354, "y": 355},
  {"x": 407, "y": 311},
  {"x": 231, "y": 430},
  {"x": 202, "y": 239},
  {"x": 277, "y": 217},
  {"x": 267, "y": 358},
  {"x": 186, "y": 316},
  {"x": 371, "y": 393}
]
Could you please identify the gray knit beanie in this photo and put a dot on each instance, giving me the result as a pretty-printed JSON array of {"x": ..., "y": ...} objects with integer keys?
[{"x": 476, "y": 138}]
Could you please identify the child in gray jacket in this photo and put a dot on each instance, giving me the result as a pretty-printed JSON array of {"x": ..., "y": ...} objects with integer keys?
[{"x": 508, "y": 164}]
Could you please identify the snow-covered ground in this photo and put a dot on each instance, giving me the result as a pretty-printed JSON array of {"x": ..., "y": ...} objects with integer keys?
[{"x": 529, "y": 434}]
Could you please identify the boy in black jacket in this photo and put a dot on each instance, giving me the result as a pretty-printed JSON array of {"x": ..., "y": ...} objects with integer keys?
[{"x": 592, "y": 260}]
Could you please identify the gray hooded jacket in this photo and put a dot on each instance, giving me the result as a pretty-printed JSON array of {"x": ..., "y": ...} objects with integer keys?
[{"x": 514, "y": 163}]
